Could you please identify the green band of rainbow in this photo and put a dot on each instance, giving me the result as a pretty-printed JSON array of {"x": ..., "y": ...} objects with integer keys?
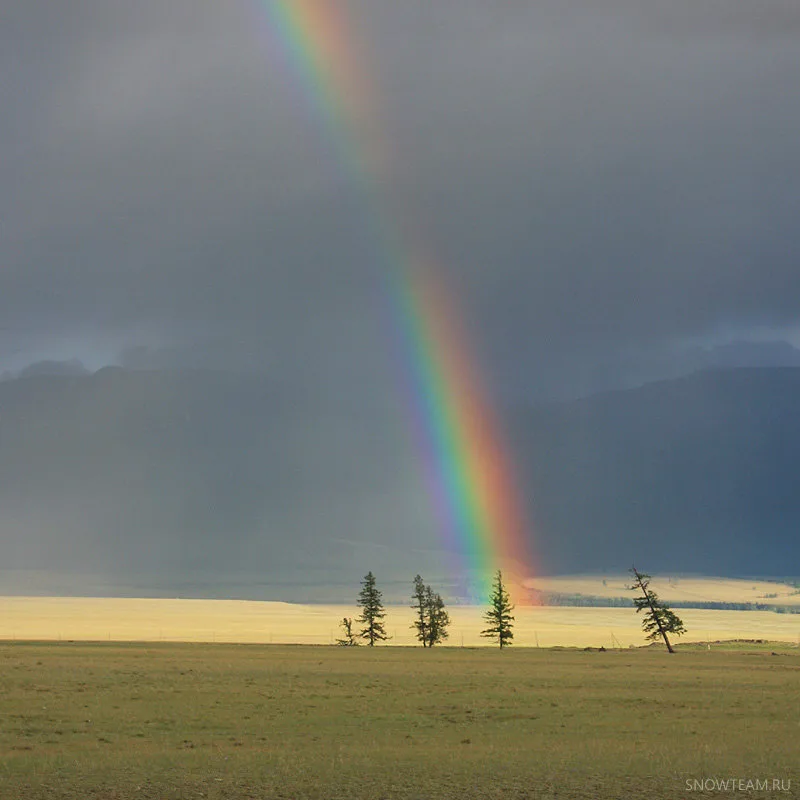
[{"x": 469, "y": 474}]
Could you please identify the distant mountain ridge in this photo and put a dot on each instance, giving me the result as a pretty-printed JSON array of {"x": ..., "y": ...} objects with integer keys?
[
  {"x": 183, "y": 472},
  {"x": 698, "y": 474},
  {"x": 123, "y": 471}
]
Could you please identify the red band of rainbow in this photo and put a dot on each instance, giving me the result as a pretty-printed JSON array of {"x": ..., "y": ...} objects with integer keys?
[{"x": 470, "y": 475}]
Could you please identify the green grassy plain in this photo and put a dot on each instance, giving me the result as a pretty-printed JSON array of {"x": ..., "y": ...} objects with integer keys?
[{"x": 106, "y": 720}]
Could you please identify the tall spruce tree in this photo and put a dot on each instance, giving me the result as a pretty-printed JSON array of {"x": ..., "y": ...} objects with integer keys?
[
  {"x": 372, "y": 611},
  {"x": 421, "y": 621},
  {"x": 659, "y": 620},
  {"x": 498, "y": 616},
  {"x": 432, "y": 618},
  {"x": 438, "y": 618}
]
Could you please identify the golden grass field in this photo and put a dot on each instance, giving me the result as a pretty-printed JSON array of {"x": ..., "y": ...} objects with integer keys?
[
  {"x": 692, "y": 589},
  {"x": 238, "y": 621},
  {"x": 105, "y": 721}
]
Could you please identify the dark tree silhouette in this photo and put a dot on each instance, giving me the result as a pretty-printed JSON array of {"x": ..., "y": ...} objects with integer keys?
[
  {"x": 432, "y": 618},
  {"x": 372, "y": 611},
  {"x": 438, "y": 618},
  {"x": 421, "y": 621},
  {"x": 349, "y": 638},
  {"x": 499, "y": 615},
  {"x": 658, "y": 619}
]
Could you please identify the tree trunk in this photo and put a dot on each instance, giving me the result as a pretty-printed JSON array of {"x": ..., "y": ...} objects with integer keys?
[{"x": 656, "y": 618}]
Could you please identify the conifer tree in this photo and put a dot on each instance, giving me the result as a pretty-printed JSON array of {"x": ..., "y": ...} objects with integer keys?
[
  {"x": 658, "y": 620},
  {"x": 372, "y": 611},
  {"x": 432, "y": 618},
  {"x": 499, "y": 616},
  {"x": 349, "y": 638},
  {"x": 421, "y": 621},
  {"x": 438, "y": 618}
]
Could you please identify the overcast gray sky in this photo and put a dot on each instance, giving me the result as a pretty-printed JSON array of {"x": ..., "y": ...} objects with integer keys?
[
  {"x": 606, "y": 184},
  {"x": 611, "y": 188}
]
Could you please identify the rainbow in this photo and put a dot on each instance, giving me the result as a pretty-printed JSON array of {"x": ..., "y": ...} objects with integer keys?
[{"x": 468, "y": 469}]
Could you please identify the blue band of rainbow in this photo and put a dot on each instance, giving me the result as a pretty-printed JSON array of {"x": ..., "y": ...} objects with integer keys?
[{"x": 469, "y": 473}]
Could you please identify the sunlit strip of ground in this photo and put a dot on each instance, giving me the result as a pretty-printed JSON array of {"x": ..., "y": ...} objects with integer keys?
[
  {"x": 88, "y": 619},
  {"x": 691, "y": 589}
]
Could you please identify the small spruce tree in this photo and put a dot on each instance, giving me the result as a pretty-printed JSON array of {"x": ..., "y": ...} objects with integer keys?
[
  {"x": 349, "y": 638},
  {"x": 372, "y": 611},
  {"x": 499, "y": 616},
  {"x": 658, "y": 620}
]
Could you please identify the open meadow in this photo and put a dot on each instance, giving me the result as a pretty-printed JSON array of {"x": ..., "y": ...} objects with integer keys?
[
  {"x": 105, "y": 720},
  {"x": 258, "y": 622}
]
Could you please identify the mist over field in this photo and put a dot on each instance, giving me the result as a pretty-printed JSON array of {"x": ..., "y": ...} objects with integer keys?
[{"x": 170, "y": 483}]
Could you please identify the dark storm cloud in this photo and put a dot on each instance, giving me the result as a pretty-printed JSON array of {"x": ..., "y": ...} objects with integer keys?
[{"x": 592, "y": 175}]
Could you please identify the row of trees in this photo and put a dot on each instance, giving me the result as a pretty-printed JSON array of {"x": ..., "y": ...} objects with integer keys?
[{"x": 431, "y": 620}]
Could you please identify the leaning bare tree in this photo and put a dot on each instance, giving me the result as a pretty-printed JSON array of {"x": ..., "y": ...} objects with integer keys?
[{"x": 658, "y": 619}]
